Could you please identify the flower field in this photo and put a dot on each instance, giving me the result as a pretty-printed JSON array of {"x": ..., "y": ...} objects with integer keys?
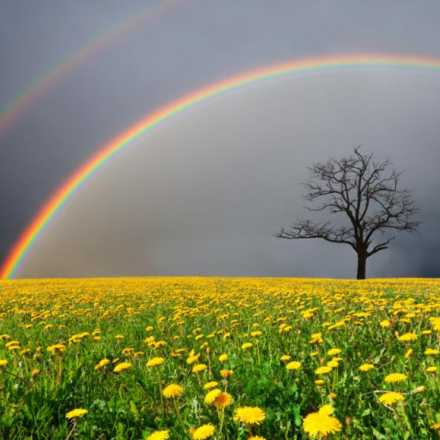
[{"x": 219, "y": 358}]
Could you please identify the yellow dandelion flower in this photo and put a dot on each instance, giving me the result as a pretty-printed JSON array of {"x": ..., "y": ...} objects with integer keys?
[
  {"x": 155, "y": 362},
  {"x": 56, "y": 349},
  {"x": 407, "y": 337},
  {"x": 323, "y": 370},
  {"x": 159, "y": 435},
  {"x": 247, "y": 346},
  {"x": 391, "y": 398},
  {"x": 76, "y": 413},
  {"x": 123, "y": 366},
  {"x": 334, "y": 351},
  {"x": 223, "y": 357},
  {"x": 249, "y": 415},
  {"x": 408, "y": 353},
  {"x": 173, "y": 390},
  {"x": 102, "y": 363},
  {"x": 395, "y": 377},
  {"x": 316, "y": 338},
  {"x": 333, "y": 363},
  {"x": 321, "y": 423},
  {"x": 256, "y": 437},
  {"x": 366, "y": 367},
  {"x": 319, "y": 382},
  {"x": 431, "y": 370},
  {"x": 431, "y": 352},
  {"x": 192, "y": 357},
  {"x": 226, "y": 373},
  {"x": 3, "y": 363},
  {"x": 198, "y": 368},
  {"x": 385, "y": 323},
  {"x": 435, "y": 322},
  {"x": 203, "y": 432},
  {"x": 212, "y": 395},
  {"x": 293, "y": 365},
  {"x": 285, "y": 358},
  {"x": 210, "y": 385},
  {"x": 223, "y": 400}
]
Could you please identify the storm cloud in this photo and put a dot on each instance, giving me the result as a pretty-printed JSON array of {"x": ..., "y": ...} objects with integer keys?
[{"x": 204, "y": 192}]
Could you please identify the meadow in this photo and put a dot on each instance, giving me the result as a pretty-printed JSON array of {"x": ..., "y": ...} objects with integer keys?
[{"x": 219, "y": 358}]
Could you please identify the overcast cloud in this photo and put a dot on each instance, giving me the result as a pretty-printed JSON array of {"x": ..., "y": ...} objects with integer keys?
[{"x": 207, "y": 189}]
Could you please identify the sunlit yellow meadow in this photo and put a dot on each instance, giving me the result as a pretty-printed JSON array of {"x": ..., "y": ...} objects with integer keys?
[{"x": 219, "y": 358}]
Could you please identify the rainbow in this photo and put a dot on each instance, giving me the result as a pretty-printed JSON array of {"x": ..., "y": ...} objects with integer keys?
[
  {"x": 105, "y": 153},
  {"x": 42, "y": 85}
]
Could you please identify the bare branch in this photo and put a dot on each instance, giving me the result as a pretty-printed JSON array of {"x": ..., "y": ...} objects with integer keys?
[{"x": 368, "y": 195}]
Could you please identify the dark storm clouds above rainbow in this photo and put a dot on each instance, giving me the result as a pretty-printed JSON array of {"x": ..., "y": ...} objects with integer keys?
[{"x": 204, "y": 193}]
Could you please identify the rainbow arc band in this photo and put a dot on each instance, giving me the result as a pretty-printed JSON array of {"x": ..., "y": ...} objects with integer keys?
[
  {"x": 41, "y": 86},
  {"x": 62, "y": 195}
]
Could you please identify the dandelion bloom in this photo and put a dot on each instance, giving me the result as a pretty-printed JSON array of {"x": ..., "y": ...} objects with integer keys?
[
  {"x": 159, "y": 435},
  {"x": 223, "y": 357},
  {"x": 226, "y": 373},
  {"x": 395, "y": 378},
  {"x": 249, "y": 415},
  {"x": 333, "y": 363},
  {"x": 212, "y": 395},
  {"x": 334, "y": 351},
  {"x": 3, "y": 363},
  {"x": 192, "y": 357},
  {"x": 319, "y": 382},
  {"x": 223, "y": 400},
  {"x": 76, "y": 413},
  {"x": 198, "y": 368},
  {"x": 294, "y": 365},
  {"x": 219, "y": 399},
  {"x": 366, "y": 367},
  {"x": 431, "y": 352},
  {"x": 323, "y": 370},
  {"x": 247, "y": 345},
  {"x": 56, "y": 349},
  {"x": 385, "y": 323},
  {"x": 435, "y": 322},
  {"x": 321, "y": 423},
  {"x": 210, "y": 385},
  {"x": 316, "y": 338},
  {"x": 101, "y": 364},
  {"x": 391, "y": 398},
  {"x": 256, "y": 437},
  {"x": 408, "y": 353},
  {"x": 285, "y": 358},
  {"x": 155, "y": 362},
  {"x": 172, "y": 390},
  {"x": 431, "y": 370},
  {"x": 123, "y": 366},
  {"x": 203, "y": 432},
  {"x": 407, "y": 337}
]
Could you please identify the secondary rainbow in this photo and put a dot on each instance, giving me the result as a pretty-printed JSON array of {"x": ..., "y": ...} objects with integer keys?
[
  {"x": 42, "y": 85},
  {"x": 20, "y": 249}
]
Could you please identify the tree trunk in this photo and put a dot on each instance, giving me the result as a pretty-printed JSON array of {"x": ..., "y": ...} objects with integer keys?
[{"x": 361, "y": 266}]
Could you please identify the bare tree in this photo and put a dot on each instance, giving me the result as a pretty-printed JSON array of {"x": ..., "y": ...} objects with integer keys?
[{"x": 368, "y": 195}]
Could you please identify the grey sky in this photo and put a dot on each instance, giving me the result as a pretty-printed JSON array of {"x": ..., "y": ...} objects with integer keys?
[{"x": 206, "y": 190}]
